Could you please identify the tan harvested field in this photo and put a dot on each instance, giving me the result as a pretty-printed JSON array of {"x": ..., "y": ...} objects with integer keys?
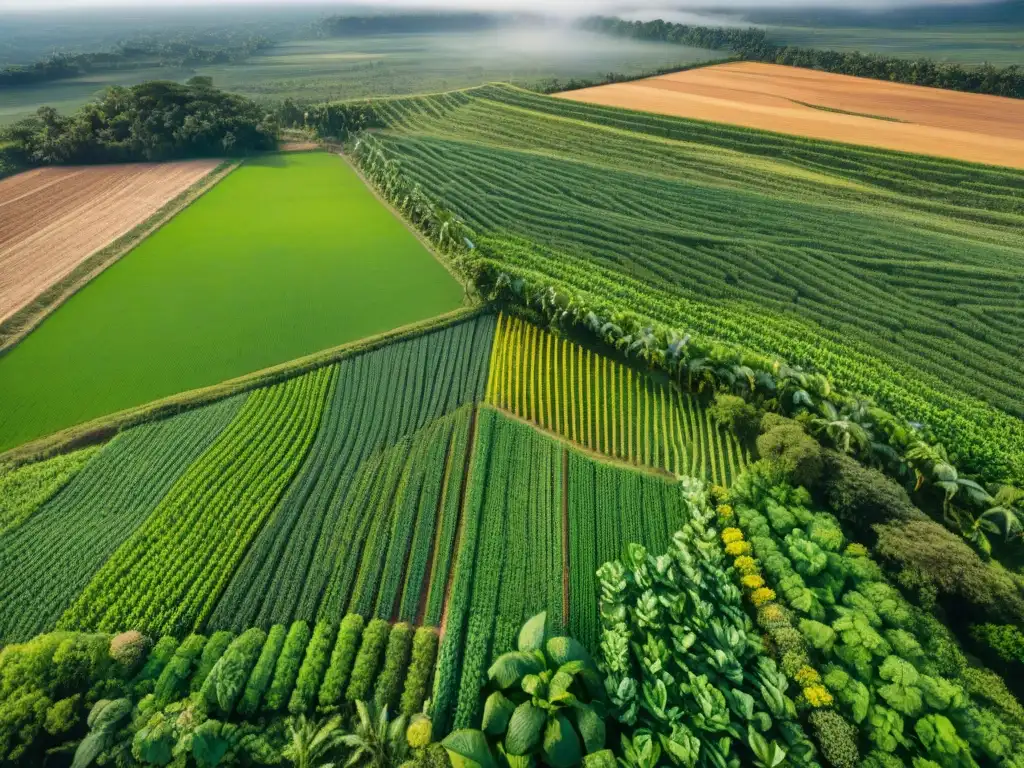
[
  {"x": 964, "y": 126},
  {"x": 52, "y": 219}
]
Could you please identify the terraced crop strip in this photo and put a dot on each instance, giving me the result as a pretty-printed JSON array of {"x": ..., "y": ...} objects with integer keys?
[
  {"x": 166, "y": 578},
  {"x": 381, "y": 398},
  {"x": 605, "y": 406},
  {"x": 898, "y": 275},
  {"x": 26, "y": 489},
  {"x": 509, "y": 562},
  {"x": 45, "y": 563}
]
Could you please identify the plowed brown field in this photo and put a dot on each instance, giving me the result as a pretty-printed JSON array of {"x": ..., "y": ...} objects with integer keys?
[
  {"x": 909, "y": 118},
  {"x": 51, "y": 219}
]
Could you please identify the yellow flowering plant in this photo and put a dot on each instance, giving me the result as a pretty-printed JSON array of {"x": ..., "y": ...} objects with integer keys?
[
  {"x": 752, "y": 582},
  {"x": 807, "y": 676},
  {"x": 737, "y": 548},
  {"x": 761, "y": 596},
  {"x": 746, "y": 565},
  {"x": 730, "y": 535},
  {"x": 818, "y": 696}
]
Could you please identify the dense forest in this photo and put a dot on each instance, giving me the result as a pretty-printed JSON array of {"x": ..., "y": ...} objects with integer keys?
[
  {"x": 753, "y": 45},
  {"x": 180, "y": 51},
  {"x": 153, "y": 121}
]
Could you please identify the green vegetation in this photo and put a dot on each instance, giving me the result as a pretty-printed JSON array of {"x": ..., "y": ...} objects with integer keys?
[
  {"x": 266, "y": 266},
  {"x": 359, "y": 66},
  {"x": 26, "y": 489},
  {"x": 152, "y": 121},
  {"x": 606, "y": 406},
  {"x": 765, "y": 247},
  {"x": 381, "y": 399},
  {"x": 167, "y": 576},
  {"x": 46, "y": 562}
]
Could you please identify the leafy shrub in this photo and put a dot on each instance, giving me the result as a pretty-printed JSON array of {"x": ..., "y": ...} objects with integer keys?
[
  {"x": 64, "y": 715},
  {"x": 173, "y": 682},
  {"x": 215, "y": 646},
  {"x": 364, "y": 672},
  {"x": 287, "y": 668},
  {"x": 417, "y": 682},
  {"x": 737, "y": 415},
  {"x": 313, "y": 666},
  {"x": 396, "y": 657},
  {"x": 226, "y": 681},
  {"x": 793, "y": 450},
  {"x": 345, "y": 649},
  {"x": 836, "y": 737},
  {"x": 862, "y": 496},
  {"x": 262, "y": 672},
  {"x": 1005, "y": 639},
  {"x": 159, "y": 657},
  {"x": 934, "y": 561},
  {"x": 128, "y": 648}
]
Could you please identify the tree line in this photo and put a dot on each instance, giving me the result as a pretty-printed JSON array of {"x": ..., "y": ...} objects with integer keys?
[
  {"x": 407, "y": 23},
  {"x": 178, "y": 52},
  {"x": 156, "y": 120},
  {"x": 753, "y": 45}
]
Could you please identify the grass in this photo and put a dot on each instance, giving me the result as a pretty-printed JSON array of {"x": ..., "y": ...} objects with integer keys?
[
  {"x": 345, "y": 68},
  {"x": 288, "y": 255}
]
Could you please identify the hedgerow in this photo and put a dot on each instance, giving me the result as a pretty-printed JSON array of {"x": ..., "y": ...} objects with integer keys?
[
  {"x": 367, "y": 663},
  {"x": 226, "y": 681},
  {"x": 342, "y": 658},
  {"x": 263, "y": 672},
  {"x": 318, "y": 654},
  {"x": 421, "y": 669},
  {"x": 393, "y": 673},
  {"x": 287, "y": 668}
]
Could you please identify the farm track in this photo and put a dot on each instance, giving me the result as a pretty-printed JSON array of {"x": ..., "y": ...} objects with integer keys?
[
  {"x": 931, "y": 121},
  {"x": 52, "y": 219}
]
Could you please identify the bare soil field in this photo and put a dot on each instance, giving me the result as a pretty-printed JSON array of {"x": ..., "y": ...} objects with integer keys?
[
  {"x": 52, "y": 219},
  {"x": 909, "y": 118}
]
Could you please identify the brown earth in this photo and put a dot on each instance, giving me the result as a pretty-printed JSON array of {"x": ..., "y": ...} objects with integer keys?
[
  {"x": 932, "y": 121},
  {"x": 52, "y": 219}
]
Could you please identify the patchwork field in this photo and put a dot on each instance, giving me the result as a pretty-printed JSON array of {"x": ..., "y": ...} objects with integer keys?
[
  {"x": 897, "y": 275},
  {"x": 821, "y": 105},
  {"x": 374, "y": 531},
  {"x": 51, "y": 219},
  {"x": 288, "y": 255}
]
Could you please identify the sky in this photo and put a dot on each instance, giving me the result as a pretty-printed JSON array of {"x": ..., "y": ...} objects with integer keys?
[{"x": 580, "y": 6}]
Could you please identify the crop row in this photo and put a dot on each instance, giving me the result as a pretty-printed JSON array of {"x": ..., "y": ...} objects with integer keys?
[
  {"x": 605, "y": 406},
  {"x": 380, "y": 398},
  {"x": 608, "y": 508},
  {"x": 45, "y": 563},
  {"x": 508, "y": 563},
  {"x": 26, "y": 489},
  {"x": 167, "y": 576}
]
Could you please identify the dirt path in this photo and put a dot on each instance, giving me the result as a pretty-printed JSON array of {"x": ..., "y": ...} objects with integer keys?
[
  {"x": 909, "y": 118},
  {"x": 52, "y": 219}
]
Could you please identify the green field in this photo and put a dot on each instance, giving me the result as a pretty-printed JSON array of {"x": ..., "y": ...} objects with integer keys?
[
  {"x": 897, "y": 275},
  {"x": 1001, "y": 45},
  {"x": 346, "y": 68},
  {"x": 288, "y": 255}
]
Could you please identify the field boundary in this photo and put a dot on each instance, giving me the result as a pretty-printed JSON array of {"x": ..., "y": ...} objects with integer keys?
[
  {"x": 28, "y": 318},
  {"x": 105, "y": 427},
  {"x": 466, "y": 283}
]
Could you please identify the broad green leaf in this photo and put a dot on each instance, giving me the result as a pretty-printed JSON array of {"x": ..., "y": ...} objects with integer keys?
[
  {"x": 510, "y": 668},
  {"x": 591, "y": 727},
  {"x": 562, "y": 650},
  {"x": 469, "y": 745},
  {"x": 497, "y": 711},
  {"x": 561, "y": 744},
  {"x": 531, "y": 636},
  {"x": 210, "y": 743},
  {"x": 524, "y": 729}
]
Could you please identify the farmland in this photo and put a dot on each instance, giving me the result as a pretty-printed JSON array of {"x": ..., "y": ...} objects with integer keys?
[
  {"x": 823, "y": 254},
  {"x": 54, "y": 218},
  {"x": 820, "y": 105},
  {"x": 263, "y": 268}
]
